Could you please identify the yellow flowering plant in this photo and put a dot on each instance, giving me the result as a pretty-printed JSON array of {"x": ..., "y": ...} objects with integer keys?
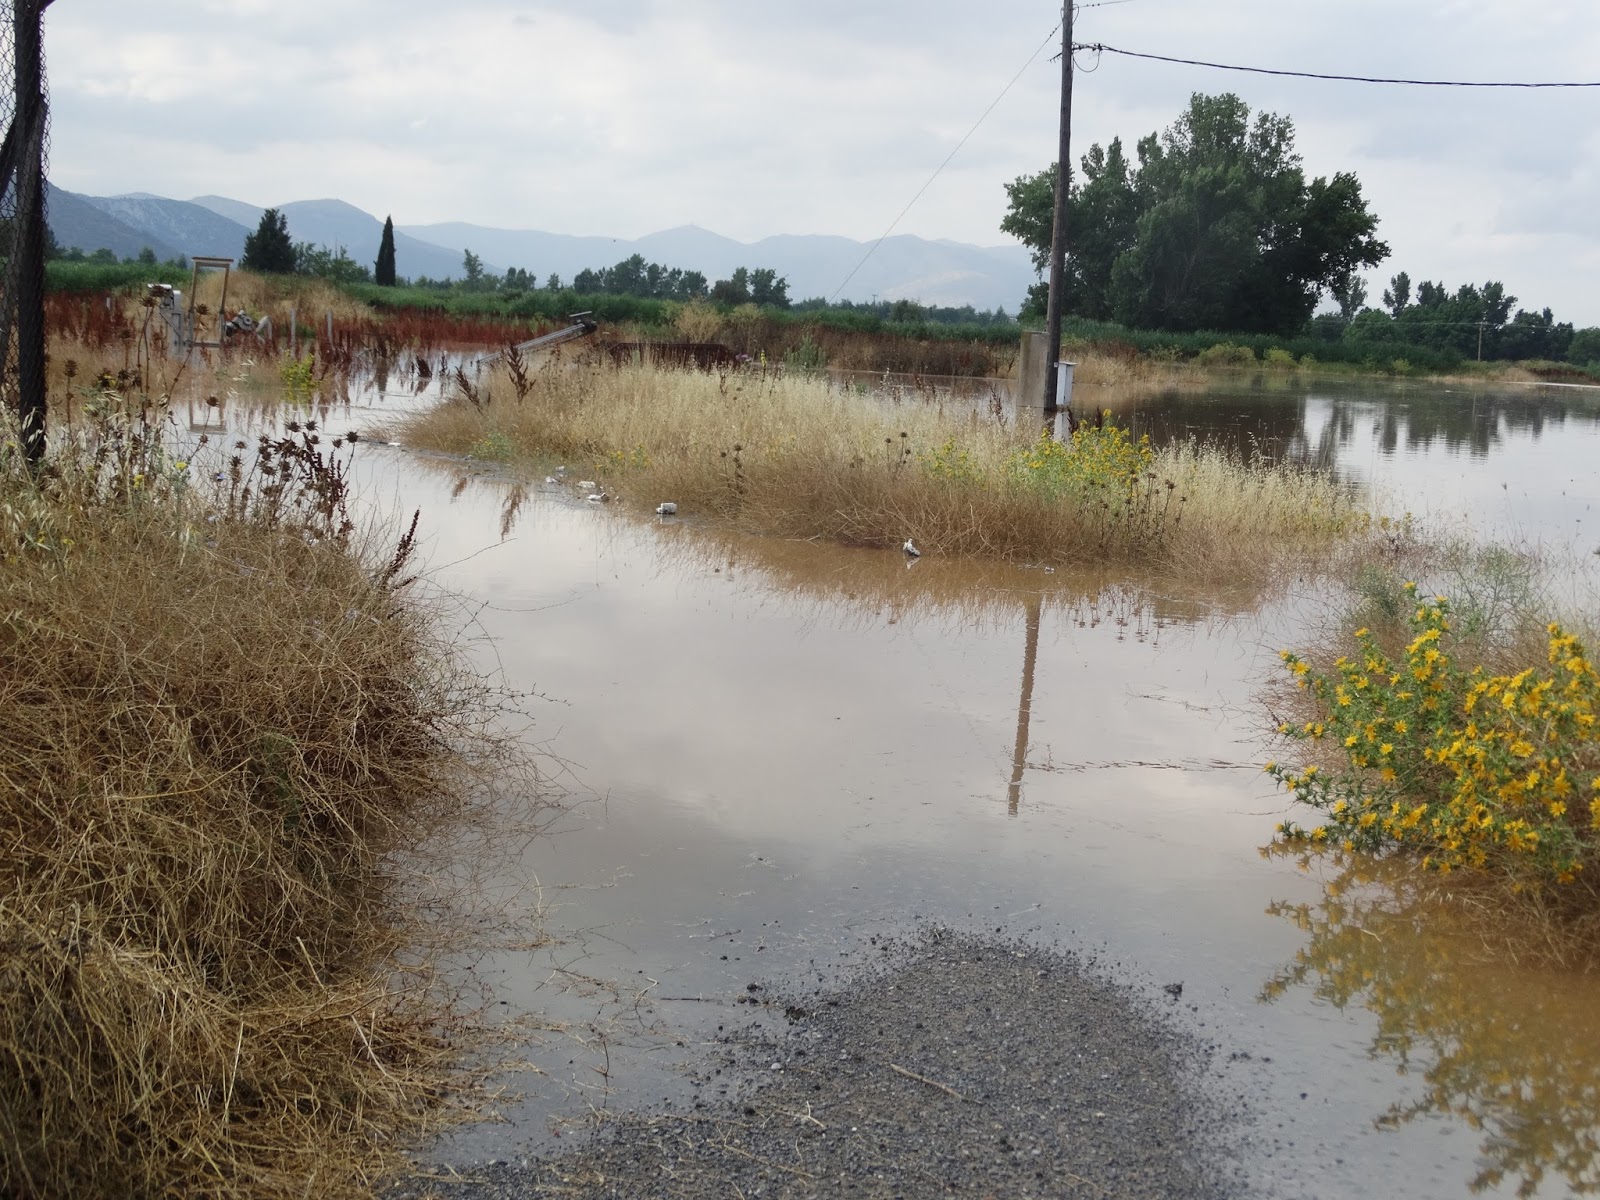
[
  {"x": 1100, "y": 461},
  {"x": 1497, "y": 772}
]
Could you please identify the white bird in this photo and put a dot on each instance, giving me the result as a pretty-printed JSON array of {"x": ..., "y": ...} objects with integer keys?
[
  {"x": 561, "y": 470},
  {"x": 549, "y": 478},
  {"x": 911, "y": 550},
  {"x": 587, "y": 485},
  {"x": 598, "y": 498},
  {"x": 667, "y": 509}
]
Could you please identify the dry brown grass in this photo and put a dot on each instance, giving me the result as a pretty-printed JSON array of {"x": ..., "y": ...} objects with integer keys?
[
  {"x": 794, "y": 457},
  {"x": 225, "y": 731},
  {"x": 274, "y": 294}
]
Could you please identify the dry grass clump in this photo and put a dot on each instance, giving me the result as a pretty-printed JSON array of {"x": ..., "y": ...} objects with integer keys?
[
  {"x": 274, "y": 294},
  {"x": 223, "y": 726},
  {"x": 796, "y": 457}
]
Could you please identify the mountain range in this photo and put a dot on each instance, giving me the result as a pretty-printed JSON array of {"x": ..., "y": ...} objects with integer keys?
[{"x": 903, "y": 267}]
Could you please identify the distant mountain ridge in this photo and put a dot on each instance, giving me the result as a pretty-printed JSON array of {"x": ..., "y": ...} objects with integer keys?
[
  {"x": 197, "y": 230},
  {"x": 928, "y": 271},
  {"x": 76, "y": 221}
]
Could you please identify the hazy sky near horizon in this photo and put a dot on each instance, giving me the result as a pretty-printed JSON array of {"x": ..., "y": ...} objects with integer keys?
[{"x": 753, "y": 118}]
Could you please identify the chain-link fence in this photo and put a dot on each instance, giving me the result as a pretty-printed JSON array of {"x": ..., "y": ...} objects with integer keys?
[{"x": 23, "y": 235}]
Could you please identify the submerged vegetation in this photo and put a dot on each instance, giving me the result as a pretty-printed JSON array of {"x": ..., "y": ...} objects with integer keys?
[
  {"x": 794, "y": 456},
  {"x": 226, "y": 730}
]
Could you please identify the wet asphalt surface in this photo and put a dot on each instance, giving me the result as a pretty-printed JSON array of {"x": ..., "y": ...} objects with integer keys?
[{"x": 958, "y": 1067}]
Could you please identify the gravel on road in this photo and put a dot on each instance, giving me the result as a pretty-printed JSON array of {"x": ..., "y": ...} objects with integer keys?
[{"x": 961, "y": 1067}]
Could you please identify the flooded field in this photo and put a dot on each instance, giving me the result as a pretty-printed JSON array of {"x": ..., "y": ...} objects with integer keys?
[{"x": 780, "y": 752}]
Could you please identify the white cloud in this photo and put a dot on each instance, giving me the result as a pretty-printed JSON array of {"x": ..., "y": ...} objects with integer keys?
[{"x": 753, "y": 118}]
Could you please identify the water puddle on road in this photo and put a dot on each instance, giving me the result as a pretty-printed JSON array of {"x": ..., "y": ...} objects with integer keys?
[{"x": 779, "y": 752}]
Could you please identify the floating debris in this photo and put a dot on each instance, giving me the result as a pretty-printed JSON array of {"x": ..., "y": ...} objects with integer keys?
[
  {"x": 667, "y": 509},
  {"x": 911, "y": 550}
]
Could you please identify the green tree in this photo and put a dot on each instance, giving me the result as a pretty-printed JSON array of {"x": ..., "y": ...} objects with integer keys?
[
  {"x": 1584, "y": 347},
  {"x": 269, "y": 249},
  {"x": 1532, "y": 335},
  {"x": 1398, "y": 294},
  {"x": 383, "y": 269},
  {"x": 1351, "y": 297},
  {"x": 1463, "y": 321},
  {"x": 333, "y": 264},
  {"x": 768, "y": 287},
  {"x": 472, "y": 271},
  {"x": 147, "y": 256},
  {"x": 1216, "y": 227},
  {"x": 733, "y": 290}
]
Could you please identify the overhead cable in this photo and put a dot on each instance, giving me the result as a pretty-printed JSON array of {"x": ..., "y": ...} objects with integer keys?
[
  {"x": 1005, "y": 91},
  {"x": 1100, "y": 48}
]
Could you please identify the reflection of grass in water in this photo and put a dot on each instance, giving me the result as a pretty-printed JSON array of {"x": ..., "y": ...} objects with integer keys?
[
  {"x": 1511, "y": 1048},
  {"x": 794, "y": 457},
  {"x": 882, "y": 584},
  {"x": 968, "y": 590}
]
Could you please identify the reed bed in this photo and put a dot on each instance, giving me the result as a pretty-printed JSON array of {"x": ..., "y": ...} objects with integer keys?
[
  {"x": 227, "y": 732},
  {"x": 789, "y": 455}
]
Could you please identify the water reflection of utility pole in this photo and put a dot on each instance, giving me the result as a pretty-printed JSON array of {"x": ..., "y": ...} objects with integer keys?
[{"x": 1019, "y": 756}]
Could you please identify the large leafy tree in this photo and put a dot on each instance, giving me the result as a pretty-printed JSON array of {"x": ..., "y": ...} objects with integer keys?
[
  {"x": 1214, "y": 227},
  {"x": 383, "y": 269},
  {"x": 269, "y": 249}
]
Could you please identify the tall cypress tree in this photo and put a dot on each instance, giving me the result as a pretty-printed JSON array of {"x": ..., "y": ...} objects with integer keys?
[{"x": 383, "y": 271}]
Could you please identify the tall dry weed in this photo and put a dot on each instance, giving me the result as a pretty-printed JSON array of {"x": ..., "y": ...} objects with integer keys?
[
  {"x": 226, "y": 732},
  {"x": 796, "y": 457}
]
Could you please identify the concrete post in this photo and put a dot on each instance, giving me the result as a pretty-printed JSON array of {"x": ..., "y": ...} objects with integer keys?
[{"x": 1031, "y": 373}]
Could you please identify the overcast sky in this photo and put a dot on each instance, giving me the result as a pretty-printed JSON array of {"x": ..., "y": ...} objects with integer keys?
[{"x": 752, "y": 118}]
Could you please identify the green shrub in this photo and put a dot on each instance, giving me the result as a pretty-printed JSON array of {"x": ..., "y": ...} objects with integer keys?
[
  {"x": 1497, "y": 772},
  {"x": 1226, "y": 354}
]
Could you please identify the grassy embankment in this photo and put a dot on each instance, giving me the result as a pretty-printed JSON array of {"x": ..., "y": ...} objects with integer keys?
[
  {"x": 792, "y": 456},
  {"x": 226, "y": 732}
]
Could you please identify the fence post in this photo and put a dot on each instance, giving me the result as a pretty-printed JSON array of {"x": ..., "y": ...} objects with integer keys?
[{"x": 26, "y": 269}]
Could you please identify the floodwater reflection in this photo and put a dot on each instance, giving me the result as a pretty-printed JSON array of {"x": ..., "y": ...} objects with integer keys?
[
  {"x": 1318, "y": 423},
  {"x": 1019, "y": 756},
  {"x": 1512, "y": 1050}
]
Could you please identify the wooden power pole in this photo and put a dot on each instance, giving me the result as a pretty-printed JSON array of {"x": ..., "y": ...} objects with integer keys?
[{"x": 1058, "y": 237}]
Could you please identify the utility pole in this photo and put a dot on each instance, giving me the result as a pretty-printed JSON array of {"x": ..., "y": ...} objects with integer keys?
[
  {"x": 1480, "y": 341},
  {"x": 1058, "y": 237}
]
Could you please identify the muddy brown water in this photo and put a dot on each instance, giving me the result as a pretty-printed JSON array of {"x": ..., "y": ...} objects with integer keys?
[{"x": 778, "y": 752}]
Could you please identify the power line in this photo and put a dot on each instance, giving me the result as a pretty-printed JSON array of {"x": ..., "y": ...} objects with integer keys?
[
  {"x": 871, "y": 250},
  {"x": 1099, "y": 48}
]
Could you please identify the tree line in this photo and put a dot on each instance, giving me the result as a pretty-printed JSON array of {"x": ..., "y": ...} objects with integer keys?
[
  {"x": 270, "y": 249},
  {"x": 1214, "y": 225},
  {"x": 1472, "y": 321}
]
